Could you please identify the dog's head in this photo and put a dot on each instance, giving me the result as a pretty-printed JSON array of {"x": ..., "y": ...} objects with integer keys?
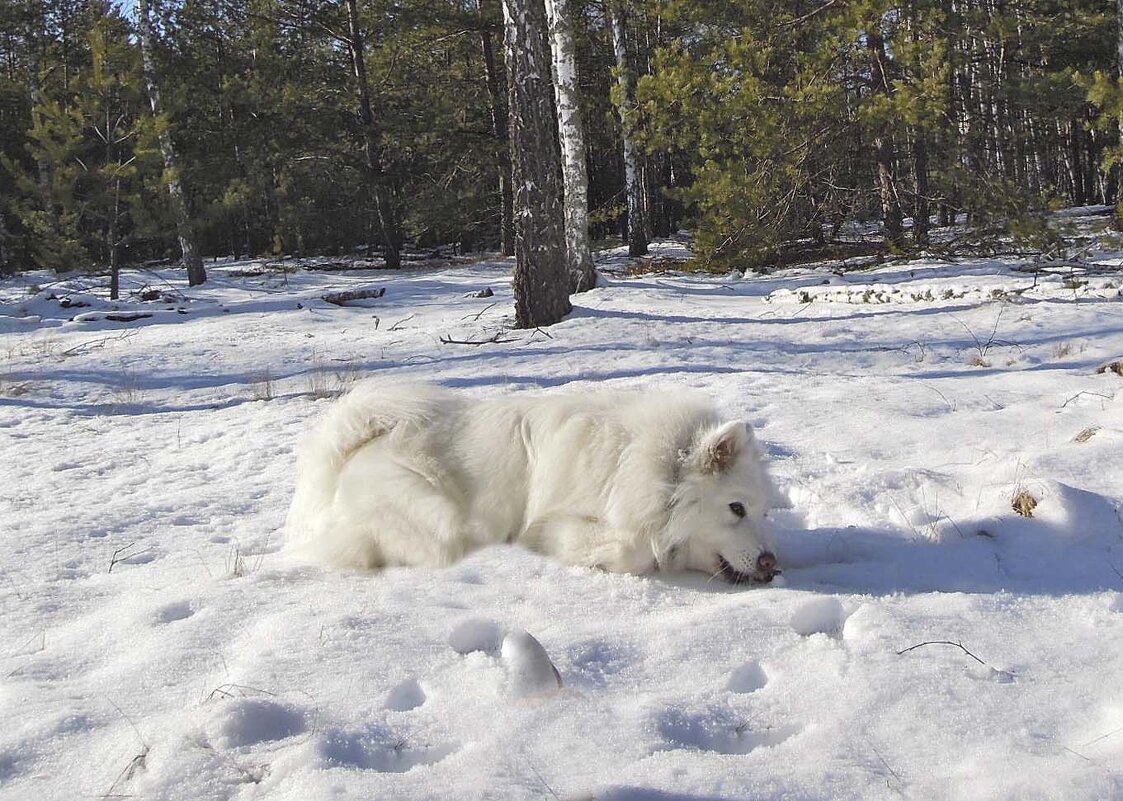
[{"x": 717, "y": 522}]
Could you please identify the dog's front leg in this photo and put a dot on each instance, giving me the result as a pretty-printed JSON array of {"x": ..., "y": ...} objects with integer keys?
[{"x": 587, "y": 541}]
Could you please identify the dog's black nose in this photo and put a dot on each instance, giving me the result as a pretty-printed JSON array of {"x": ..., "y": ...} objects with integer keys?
[{"x": 766, "y": 562}]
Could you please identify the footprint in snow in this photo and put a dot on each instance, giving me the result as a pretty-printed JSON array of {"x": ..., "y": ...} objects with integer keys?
[
  {"x": 593, "y": 661},
  {"x": 180, "y": 610},
  {"x": 379, "y": 749},
  {"x": 718, "y": 731},
  {"x": 529, "y": 668},
  {"x": 241, "y": 722},
  {"x": 748, "y": 678},
  {"x": 405, "y": 696},
  {"x": 819, "y": 616},
  {"x": 476, "y": 634}
]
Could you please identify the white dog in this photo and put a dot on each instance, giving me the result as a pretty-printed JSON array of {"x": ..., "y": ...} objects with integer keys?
[{"x": 412, "y": 474}]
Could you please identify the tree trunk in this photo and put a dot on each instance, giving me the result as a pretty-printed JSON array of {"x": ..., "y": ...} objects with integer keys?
[
  {"x": 541, "y": 280},
  {"x": 1118, "y": 216},
  {"x": 921, "y": 207},
  {"x": 196, "y": 274},
  {"x": 5, "y": 256},
  {"x": 1076, "y": 151},
  {"x": 113, "y": 243},
  {"x": 42, "y": 169},
  {"x": 499, "y": 134},
  {"x": 571, "y": 133},
  {"x": 626, "y": 107},
  {"x": 883, "y": 149},
  {"x": 384, "y": 205}
]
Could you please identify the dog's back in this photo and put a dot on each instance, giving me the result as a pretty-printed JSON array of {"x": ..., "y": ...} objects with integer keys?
[{"x": 399, "y": 413}]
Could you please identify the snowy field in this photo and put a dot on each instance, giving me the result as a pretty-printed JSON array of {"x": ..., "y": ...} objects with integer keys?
[{"x": 158, "y": 644}]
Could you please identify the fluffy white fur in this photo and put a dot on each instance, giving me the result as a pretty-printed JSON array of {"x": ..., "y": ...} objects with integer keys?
[{"x": 413, "y": 474}]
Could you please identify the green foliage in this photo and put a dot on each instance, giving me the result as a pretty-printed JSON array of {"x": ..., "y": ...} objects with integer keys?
[
  {"x": 779, "y": 109},
  {"x": 769, "y": 127}
]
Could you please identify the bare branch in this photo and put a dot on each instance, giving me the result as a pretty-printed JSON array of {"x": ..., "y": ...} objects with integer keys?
[{"x": 943, "y": 642}]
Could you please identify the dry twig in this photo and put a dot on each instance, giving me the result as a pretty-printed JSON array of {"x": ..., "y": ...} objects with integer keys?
[
  {"x": 494, "y": 339},
  {"x": 958, "y": 645}
]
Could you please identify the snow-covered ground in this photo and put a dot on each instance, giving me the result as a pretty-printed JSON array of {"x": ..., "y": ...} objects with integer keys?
[{"x": 158, "y": 645}]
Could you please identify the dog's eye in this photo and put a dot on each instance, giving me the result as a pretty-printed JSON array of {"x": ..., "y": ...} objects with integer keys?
[{"x": 737, "y": 508}]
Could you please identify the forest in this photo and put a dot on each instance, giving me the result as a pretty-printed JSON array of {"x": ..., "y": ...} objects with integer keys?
[
  {"x": 774, "y": 350},
  {"x": 153, "y": 130}
]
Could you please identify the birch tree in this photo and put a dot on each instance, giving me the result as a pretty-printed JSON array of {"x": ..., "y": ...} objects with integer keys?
[
  {"x": 626, "y": 107},
  {"x": 541, "y": 280},
  {"x": 196, "y": 274},
  {"x": 571, "y": 134}
]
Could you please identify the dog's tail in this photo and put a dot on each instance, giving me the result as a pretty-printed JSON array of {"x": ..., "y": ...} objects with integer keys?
[{"x": 372, "y": 409}]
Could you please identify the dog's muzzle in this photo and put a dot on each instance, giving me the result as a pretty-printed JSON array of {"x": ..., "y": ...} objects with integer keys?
[{"x": 766, "y": 570}]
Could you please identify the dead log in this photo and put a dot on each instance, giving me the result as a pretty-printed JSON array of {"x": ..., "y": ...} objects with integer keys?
[{"x": 351, "y": 295}]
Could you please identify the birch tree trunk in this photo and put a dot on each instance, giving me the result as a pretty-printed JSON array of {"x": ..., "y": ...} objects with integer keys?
[
  {"x": 541, "y": 280},
  {"x": 571, "y": 133},
  {"x": 384, "y": 206},
  {"x": 1119, "y": 74},
  {"x": 633, "y": 179},
  {"x": 196, "y": 274}
]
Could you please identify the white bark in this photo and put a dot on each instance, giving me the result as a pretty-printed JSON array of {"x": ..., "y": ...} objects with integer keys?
[
  {"x": 633, "y": 179},
  {"x": 571, "y": 133},
  {"x": 196, "y": 274},
  {"x": 1119, "y": 38}
]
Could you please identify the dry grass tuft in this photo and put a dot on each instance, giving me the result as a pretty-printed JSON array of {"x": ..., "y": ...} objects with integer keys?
[
  {"x": 1024, "y": 503},
  {"x": 1086, "y": 434},
  {"x": 1065, "y": 349},
  {"x": 261, "y": 386},
  {"x": 14, "y": 389},
  {"x": 318, "y": 379}
]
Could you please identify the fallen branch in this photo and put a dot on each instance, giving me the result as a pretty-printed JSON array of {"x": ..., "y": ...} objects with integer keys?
[
  {"x": 480, "y": 313},
  {"x": 126, "y": 317},
  {"x": 495, "y": 339},
  {"x": 1067, "y": 265},
  {"x": 118, "y": 559},
  {"x": 1087, "y": 392},
  {"x": 351, "y": 295},
  {"x": 98, "y": 344},
  {"x": 114, "y": 560}
]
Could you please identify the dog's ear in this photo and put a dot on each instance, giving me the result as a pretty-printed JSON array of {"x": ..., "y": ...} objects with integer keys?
[{"x": 721, "y": 447}]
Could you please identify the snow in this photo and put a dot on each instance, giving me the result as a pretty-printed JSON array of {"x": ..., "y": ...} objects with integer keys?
[
  {"x": 158, "y": 644},
  {"x": 529, "y": 669}
]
